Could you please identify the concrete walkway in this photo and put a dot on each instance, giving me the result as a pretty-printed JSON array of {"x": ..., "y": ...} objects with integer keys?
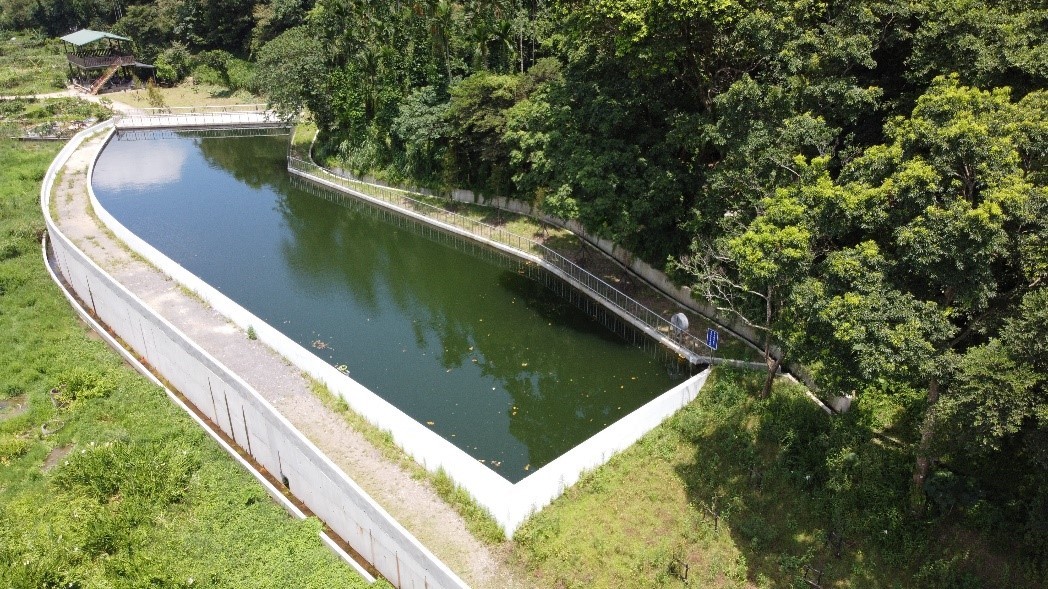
[{"x": 412, "y": 502}]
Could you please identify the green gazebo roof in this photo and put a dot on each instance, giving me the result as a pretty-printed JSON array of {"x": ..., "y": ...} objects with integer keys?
[{"x": 85, "y": 36}]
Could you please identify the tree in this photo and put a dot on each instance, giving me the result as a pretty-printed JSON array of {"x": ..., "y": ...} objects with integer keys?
[
  {"x": 423, "y": 128},
  {"x": 477, "y": 113},
  {"x": 988, "y": 43},
  {"x": 149, "y": 27},
  {"x": 291, "y": 70},
  {"x": 752, "y": 274},
  {"x": 947, "y": 203}
]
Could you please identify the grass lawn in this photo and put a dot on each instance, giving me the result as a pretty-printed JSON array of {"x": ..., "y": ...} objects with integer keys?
[
  {"x": 780, "y": 475},
  {"x": 103, "y": 482},
  {"x": 186, "y": 94}
]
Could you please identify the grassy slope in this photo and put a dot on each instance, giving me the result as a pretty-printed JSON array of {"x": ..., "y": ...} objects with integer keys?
[
  {"x": 30, "y": 65},
  {"x": 635, "y": 521},
  {"x": 144, "y": 496}
]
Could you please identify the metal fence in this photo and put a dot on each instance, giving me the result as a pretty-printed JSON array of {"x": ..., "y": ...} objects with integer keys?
[
  {"x": 205, "y": 109},
  {"x": 217, "y": 132},
  {"x": 200, "y": 116},
  {"x": 597, "y": 287}
]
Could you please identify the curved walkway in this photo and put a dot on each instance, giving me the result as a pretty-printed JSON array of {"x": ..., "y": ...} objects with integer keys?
[
  {"x": 413, "y": 503},
  {"x": 116, "y": 105}
]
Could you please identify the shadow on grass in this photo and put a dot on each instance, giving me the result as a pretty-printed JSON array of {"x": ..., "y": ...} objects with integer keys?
[
  {"x": 759, "y": 475},
  {"x": 222, "y": 93}
]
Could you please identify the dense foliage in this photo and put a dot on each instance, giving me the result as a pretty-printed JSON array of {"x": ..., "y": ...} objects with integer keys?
[{"x": 861, "y": 182}]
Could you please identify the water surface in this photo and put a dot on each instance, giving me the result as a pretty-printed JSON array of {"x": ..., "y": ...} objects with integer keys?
[{"x": 490, "y": 360}]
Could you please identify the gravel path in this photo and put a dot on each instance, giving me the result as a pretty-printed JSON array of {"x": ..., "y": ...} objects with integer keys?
[{"x": 413, "y": 503}]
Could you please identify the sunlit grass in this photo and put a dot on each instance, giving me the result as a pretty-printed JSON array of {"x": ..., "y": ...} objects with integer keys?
[
  {"x": 187, "y": 94},
  {"x": 104, "y": 481},
  {"x": 30, "y": 64},
  {"x": 637, "y": 520}
]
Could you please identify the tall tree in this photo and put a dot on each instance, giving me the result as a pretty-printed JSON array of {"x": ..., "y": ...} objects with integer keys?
[{"x": 947, "y": 204}]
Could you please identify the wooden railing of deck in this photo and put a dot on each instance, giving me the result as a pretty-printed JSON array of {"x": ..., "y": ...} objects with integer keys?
[{"x": 96, "y": 61}]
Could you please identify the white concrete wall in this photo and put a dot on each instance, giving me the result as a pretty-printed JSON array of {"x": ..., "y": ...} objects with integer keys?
[
  {"x": 245, "y": 416},
  {"x": 550, "y": 481}
]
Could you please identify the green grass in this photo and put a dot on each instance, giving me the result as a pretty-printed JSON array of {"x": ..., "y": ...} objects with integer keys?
[
  {"x": 478, "y": 520},
  {"x": 110, "y": 484},
  {"x": 187, "y": 94},
  {"x": 49, "y": 116},
  {"x": 781, "y": 475},
  {"x": 302, "y": 139},
  {"x": 30, "y": 64}
]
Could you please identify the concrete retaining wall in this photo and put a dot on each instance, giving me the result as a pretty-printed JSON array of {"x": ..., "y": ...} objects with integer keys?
[{"x": 243, "y": 415}]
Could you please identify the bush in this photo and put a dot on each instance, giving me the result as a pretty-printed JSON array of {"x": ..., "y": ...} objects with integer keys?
[
  {"x": 205, "y": 74},
  {"x": 221, "y": 68},
  {"x": 11, "y": 447},
  {"x": 173, "y": 64},
  {"x": 240, "y": 75},
  {"x": 80, "y": 384},
  {"x": 154, "y": 473}
]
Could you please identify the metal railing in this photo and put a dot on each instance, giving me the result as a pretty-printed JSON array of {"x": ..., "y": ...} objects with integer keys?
[
  {"x": 189, "y": 116},
  {"x": 206, "y": 109},
  {"x": 599, "y": 288},
  {"x": 97, "y": 61}
]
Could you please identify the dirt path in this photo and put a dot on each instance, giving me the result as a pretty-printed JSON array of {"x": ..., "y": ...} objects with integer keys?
[
  {"x": 413, "y": 503},
  {"x": 70, "y": 92}
]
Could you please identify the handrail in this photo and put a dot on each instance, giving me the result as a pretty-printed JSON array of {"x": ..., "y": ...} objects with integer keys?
[
  {"x": 400, "y": 198},
  {"x": 183, "y": 116},
  {"x": 205, "y": 109},
  {"x": 93, "y": 61}
]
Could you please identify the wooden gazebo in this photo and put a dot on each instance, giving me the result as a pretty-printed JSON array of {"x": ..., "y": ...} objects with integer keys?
[{"x": 96, "y": 57}]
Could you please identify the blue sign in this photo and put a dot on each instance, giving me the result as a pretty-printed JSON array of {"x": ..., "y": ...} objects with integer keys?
[{"x": 712, "y": 337}]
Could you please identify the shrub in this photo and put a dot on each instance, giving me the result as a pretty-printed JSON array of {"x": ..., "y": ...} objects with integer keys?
[
  {"x": 240, "y": 75},
  {"x": 154, "y": 473},
  {"x": 81, "y": 383},
  {"x": 173, "y": 64},
  {"x": 12, "y": 447}
]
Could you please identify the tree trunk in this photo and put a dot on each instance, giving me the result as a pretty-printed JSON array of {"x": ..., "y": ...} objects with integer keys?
[
  {"x": 773, "y": 369},
  {"x": 773, "y": 363},
  {"x": 924, "y": 458}
]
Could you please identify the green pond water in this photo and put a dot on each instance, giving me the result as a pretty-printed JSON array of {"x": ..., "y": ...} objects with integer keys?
[{"x": 492, "y": 361}]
